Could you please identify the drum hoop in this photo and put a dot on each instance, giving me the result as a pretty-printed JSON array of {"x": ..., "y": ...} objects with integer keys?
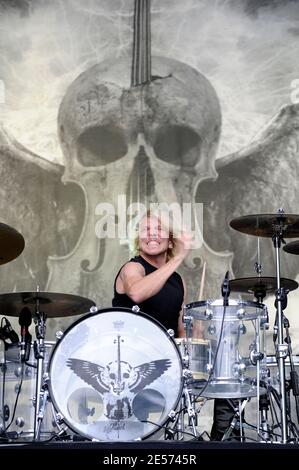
[
  {"x": 104, "y": 310},
  {"x": 240, "y": 303},
  {"x": 125, "y": 310}
]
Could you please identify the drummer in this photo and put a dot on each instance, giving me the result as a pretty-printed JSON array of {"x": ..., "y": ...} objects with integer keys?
[{"x": 150, "y": 280}]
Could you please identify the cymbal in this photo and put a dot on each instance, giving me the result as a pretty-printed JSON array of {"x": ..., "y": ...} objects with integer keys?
[
  {"x": 51, "y": 303},
  {"x": 260, "y": 285},
  {"x": 266, "y": 225},
  {"x": 11, "y": 243},
  {"x": 292, "y": 247}
]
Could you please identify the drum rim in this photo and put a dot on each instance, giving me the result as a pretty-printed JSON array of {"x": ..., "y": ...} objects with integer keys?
[
  {"x": 239, "y": 303},
  {"x": 98, "y": 312}
]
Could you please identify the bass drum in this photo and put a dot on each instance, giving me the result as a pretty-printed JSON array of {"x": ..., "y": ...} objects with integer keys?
[{"x": 116, "y": 375}]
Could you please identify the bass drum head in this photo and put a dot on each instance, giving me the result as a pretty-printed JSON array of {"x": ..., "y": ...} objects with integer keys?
[{"x": 115, "y": 375}]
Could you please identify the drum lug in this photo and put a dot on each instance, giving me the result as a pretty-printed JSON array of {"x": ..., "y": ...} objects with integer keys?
[
  {"x": 136, "y": 308},
  {"x": 212, "y": 330},
  {"x": 241, "y": 313},
  {"x": 59, "y": 334},
  {"x": 20, "y": 421},
  {"x": 239, "y": 368},
  {"x": 209, "y": 313},
  {"x": 6, "y": 413},
  {"x": 187, "y": 374},
  {"x": 172, "y": 415},
  {"x": 59, "y": 418},
  {"x": 255, "y": 357}
]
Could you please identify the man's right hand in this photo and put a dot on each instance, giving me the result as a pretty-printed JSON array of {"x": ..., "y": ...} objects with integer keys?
[{"x": 183, "y": 244}]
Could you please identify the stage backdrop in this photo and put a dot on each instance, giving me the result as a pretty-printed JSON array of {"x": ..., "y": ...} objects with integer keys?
[{"x": 217, "y": 123}]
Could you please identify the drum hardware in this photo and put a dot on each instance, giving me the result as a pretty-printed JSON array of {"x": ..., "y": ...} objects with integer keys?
[
  {"x": 6, "y": 332},
  {"x": 7, "y": 414},
  {"x": 53, "y": 305},
  {"x": 236, "y": 420},
  {"x": 176, "y": 430},
  {"x": 25, "y": 319},
  {"x": 293, "y": 382},
  {"x": 121, "y": 388},
  {"x": 264, "y": 429},
  {"x": 188, "y": 404},
  {"x": 228, "y": 349},
  {"x": 71, "y": 305},
  {"x": 260, "y": 287},
  {"x": 225, "y": 290},
  {"x": 277, "y": 227}
]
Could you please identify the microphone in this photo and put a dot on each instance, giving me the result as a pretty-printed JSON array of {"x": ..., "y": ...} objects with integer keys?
[
  {"x": 225, "y": 289},
  {"x": 25, "y": 318},
  {"x": 9, "y": 333}
]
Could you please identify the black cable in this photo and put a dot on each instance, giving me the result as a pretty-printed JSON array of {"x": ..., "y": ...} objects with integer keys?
[{"x": 167, "y": 428}]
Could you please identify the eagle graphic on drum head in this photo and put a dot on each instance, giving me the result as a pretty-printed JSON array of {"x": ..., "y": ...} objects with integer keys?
[{"x": 118, "y": 381}]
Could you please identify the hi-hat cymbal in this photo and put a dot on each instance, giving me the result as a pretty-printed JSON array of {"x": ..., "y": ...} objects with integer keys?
[
  {"x": 51, "y": 303},
  {"x": 11, "y": 243},
  {"x": 266, "y": 225},
  {"x": 292, "y": 247},
  {"x": 261, "y": 286}
]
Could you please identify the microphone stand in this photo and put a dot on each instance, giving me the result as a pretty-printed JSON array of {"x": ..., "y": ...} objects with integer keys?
[
  {"x": 225, "y": 289},
  {"x": 281, "y": 347}
]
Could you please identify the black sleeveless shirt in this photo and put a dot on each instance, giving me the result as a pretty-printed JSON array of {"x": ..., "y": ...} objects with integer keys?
[{"x": 165, "y": 306}]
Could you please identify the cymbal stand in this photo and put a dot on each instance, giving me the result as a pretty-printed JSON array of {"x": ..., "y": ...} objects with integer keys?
[
  {"x": 281, "y": 347},
  {"x": 177, "y": 431},
  {"x": 39, "y": 350},
  {"x": 263, "y": 402},
  {"x": 293, "y": 383}
]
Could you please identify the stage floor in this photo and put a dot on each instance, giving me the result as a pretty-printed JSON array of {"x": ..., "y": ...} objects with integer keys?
[{"x": 139, "y": 454}]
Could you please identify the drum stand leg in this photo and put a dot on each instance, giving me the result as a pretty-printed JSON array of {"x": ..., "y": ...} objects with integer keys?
[
  {"x": 263, "y": 428},
  {"x": 40, "y": 415},
  {"x": 190, "y": 407},
  {"x": 236, "y": 418},
  {"x": 281, "y": 347},
  {"x": 186, "y": 406},
  {"x": 294, "y": 385},
  {"x": 39, "y": 350}
]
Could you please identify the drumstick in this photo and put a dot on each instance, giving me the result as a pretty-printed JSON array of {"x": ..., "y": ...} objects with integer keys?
[
  {"x": 202, "y": 281},
  {"x": 197, "y": 331}
]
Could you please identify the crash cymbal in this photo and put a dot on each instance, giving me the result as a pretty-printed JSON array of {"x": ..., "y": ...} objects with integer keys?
[
  {"x": 11, "y": 243},
  {"x": 260, "y": 286},
  {"x": 266, "y": 225},
  {"x": 292, "y": 247},
  {"x": 51, "y": 303}
]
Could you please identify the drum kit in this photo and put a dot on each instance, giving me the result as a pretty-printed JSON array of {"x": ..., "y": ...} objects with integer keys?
[
  {"x": 227, "y": 323},
  {"x": 118, "y": 375}
]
